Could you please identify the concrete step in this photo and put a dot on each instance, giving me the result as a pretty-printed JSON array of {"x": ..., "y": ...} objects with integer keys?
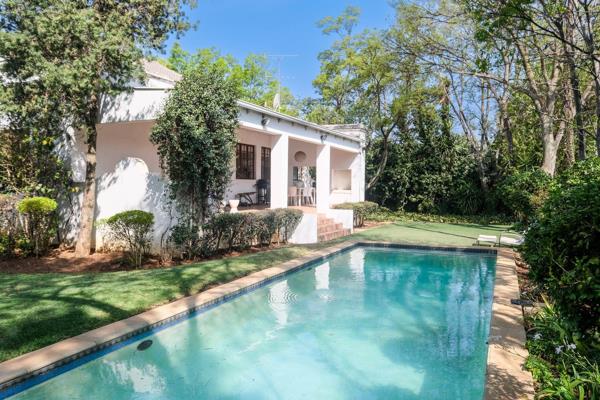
[
  {"x": 333, "y": 235},
  {"x": 329, "y": 227}
]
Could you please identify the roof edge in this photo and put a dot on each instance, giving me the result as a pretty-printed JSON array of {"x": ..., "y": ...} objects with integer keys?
[{"x": 300, "y": 121}]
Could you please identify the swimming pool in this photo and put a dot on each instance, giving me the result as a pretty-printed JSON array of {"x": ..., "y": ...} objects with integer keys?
[{"x": 368, "y": 323}]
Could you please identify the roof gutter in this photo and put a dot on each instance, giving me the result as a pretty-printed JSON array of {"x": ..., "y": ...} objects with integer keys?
[{"x": 289, "y": 118}]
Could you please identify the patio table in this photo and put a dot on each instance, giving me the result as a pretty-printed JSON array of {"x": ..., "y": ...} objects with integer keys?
[{"x": 246, "y": 197}]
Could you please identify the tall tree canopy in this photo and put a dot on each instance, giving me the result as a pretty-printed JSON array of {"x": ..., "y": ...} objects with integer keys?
[
  {"x": 256, "y": 79},
  {"x": 61, "y": 57}
]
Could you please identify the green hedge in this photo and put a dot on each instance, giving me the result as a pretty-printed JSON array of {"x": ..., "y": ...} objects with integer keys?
[
  {"x": 227, "y": 232},
  {"x": 562, "y": 247},
  {"x": 361, "y": 210},
  {"x": 523, "y": 193},
  {"x": 242, "y": 230}
]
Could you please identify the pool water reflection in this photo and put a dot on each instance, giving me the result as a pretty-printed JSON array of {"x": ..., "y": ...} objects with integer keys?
[{"x": 370, "y": 323}]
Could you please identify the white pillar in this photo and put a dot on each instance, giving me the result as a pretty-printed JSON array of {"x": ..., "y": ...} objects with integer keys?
[
  {"x": 279, "y": 171},
  {"x": 323, "y": 177},
  {"x": 358, "y": 178}
]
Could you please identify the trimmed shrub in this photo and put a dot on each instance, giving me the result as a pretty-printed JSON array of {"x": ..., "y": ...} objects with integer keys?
[
  {"x": 286, "y": 220},
  {"x": 227, "y": 232},
  {"x": 40, "y": 222},
  {"x": 361, "y": 210},
  {"x": 134, "y": 229},
  {"x": 562, "y": 247},
  {"x": 523, "y": 193},
  {"x": 187, "y": 239},
  {"x": 231, "y": 230}
]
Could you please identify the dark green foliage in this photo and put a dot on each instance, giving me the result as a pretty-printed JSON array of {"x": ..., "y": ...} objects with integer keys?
[
  {"x": 362, "y": 210},
  {"x": 186, "y": 238},
  {"x": 286, "y": 221},
  {"x": 226, "y": 232},
  {"x": 427, "y": 170},
  {"x": 231, "y": 230},
  {"x": 40, "y": 222},
  {"x": 30, "y": 163},
  {"x": 195, "y": 136},
  {"x": 10, "y": 225},
  {"x": 134, "y": 229},
  {"x": 523, "y": 193},
  {"x": 562, "y": 362},
  {"x": 562, "y": 247}
]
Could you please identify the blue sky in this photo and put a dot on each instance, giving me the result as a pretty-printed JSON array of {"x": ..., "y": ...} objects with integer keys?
[{"x": 238, "y": 27}]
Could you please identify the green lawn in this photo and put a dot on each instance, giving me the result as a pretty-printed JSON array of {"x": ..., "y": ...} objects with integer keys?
[{"x": 37, "y": 310}]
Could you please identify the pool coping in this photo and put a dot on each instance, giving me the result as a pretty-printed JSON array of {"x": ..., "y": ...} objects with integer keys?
[{"x": 505, "y": 375}]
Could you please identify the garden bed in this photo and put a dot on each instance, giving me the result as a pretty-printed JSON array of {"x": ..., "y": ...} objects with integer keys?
[{"x": 65, "y": 261}]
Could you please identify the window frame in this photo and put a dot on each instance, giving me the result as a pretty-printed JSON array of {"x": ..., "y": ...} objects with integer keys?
[
  {"x": 245, "y": 161},
  {"x": 265, "y": 163}
]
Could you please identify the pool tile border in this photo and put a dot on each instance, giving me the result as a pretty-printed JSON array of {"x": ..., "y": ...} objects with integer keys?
[{"x": 506, "y": 344}]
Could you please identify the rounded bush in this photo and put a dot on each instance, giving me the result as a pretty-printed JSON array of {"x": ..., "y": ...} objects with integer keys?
[
  {"x": 523, "y": 193},
  {"x": 132, "y": 217},
  {"x": 562, "y": 247},
  {"x": 134, "y": 228},
  {"x": 38, "y": 205},
  {"x": 40, "y": 223}
]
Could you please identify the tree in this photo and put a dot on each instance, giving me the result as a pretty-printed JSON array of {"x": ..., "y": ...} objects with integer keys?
[
  {"x": 195, "y": 136},
  {"x": 254, "y": 76},
  {"x": 361, "y": 81},
  {"x": 79, "y": 53}
]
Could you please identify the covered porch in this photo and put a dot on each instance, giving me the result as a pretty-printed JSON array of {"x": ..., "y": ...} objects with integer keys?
[{"x": 278, "y": 171}]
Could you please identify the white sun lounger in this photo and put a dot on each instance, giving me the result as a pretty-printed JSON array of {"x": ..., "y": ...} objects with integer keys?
[
  {"x": 511, "y": 241},
  {"x": 487, "y": 239}
]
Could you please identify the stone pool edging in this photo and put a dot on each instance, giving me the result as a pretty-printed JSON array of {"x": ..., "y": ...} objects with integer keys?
[
  {"x": 505, "y": 376},
  {"x": 46, "y": 359}
]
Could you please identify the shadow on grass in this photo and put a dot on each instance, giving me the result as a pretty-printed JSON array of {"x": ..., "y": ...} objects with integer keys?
[{"x": 37, "y": 312}]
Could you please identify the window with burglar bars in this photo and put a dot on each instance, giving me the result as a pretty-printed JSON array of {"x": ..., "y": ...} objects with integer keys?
[
  {"x": 244, "y": 161},
  {"x": 265, "y": 163}
]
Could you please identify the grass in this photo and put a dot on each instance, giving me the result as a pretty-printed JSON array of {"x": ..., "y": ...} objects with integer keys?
[{"x": 38, "y": 310}]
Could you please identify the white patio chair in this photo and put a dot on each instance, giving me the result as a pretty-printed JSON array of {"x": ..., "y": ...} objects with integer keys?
[
  {"x": 293, "y": 196},
  {"x": 487, "y": 239}
]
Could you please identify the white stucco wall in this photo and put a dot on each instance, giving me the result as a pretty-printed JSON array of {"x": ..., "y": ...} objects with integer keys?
[
  {"x": 306, "y": 232},
  {"x": 129, "y": 176},
  {"x": 345, "y": 217}
]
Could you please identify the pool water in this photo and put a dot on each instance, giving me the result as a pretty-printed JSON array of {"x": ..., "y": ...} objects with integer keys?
[{"x": 369, "y": 323}]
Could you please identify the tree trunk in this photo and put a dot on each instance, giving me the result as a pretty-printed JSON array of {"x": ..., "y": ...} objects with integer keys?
[
  {"x": 83, "y": 245},
  {"x": 597, "y": 93},
  {"x": 576, "y": 91},
  {"x": 570, "y": 115},
  {"x": 569, "y": 145},
  {"x": 550, "y": 143},
  {"x": 506, "y": 130},
  {"x": 566, "y": 31},
  {"x": 382, "y": 163}
]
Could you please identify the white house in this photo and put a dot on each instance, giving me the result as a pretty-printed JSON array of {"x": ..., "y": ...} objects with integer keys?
[{"x": 306, "y": 165}]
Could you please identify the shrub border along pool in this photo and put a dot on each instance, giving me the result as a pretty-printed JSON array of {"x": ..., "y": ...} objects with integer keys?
[{"x": 506, "y": 377}]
